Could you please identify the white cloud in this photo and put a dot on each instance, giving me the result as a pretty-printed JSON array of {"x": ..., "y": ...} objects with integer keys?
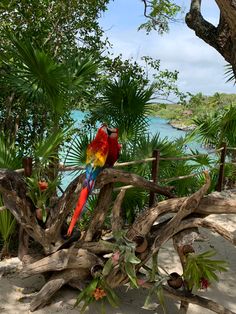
[{"x": 201, "y": 67}]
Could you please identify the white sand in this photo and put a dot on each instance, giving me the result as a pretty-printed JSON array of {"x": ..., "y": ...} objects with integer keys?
[{"x": 16, "y": 293}]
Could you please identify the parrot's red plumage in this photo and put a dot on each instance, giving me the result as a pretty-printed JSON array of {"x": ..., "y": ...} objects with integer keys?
[
  {"x": 114, "y": 147},
  {"x": 97, "y": 152}
]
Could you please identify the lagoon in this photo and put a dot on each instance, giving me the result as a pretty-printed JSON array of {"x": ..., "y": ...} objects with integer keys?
[{"x": 156, "y": 125}]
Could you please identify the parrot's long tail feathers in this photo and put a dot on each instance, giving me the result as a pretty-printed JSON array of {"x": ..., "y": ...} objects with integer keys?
[{"x": 78, "y": 209}]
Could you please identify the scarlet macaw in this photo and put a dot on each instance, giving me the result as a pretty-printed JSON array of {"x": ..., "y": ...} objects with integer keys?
[
  {"x": 114, "y": 147},
  {"x": 96, "y": 152}
]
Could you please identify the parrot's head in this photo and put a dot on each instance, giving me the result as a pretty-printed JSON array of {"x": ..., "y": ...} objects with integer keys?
[
  {"x": 103, "y": 129},
  {"x": 112, "y": 132},
  {"x": 102, "y": 133}
]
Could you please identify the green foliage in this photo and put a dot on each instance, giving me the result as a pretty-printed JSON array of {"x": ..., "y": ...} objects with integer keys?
[
  {"x": 7, "y": 227},
  {"x": 214, "y": 129},
  {"x": 9, "y": 156},
  {"x": 97, "y": 289},
  {"x": 124, "y": 104},
  {"x": 124, "y": 258},
  {"x": 230, "y": 74},
  {"x": 41, "y": 196},
  {"x": 76, "y": 150},
  {"x": 56, "y": 26},
  {"x": 159, "y": 14},
  {"x": 43, "y": 91},
  {"x": 9, "y": 159},
  {"x": 7, "y": 224},
  {"x": 201, "y": 267},
  {"x": 157, "y": 291}
]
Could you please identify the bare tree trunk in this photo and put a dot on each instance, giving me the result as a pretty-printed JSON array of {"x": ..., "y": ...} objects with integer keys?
[{"x": 221, "y": 37}]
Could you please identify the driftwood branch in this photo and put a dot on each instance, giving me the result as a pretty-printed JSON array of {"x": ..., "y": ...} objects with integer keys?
[
  {"x": 191, "y": 298},
  {"x": 111, "y": 175},
  {"x": 204, "y": 223},
  {"x": 117, "y": 221},
  {"x": 100, "y": 211},
  {"x": 72, "y": 263},
  {"x": 195, "y": 299},
  {"x": 54, "y": 284},
  {"x": 63, "y": 259}
]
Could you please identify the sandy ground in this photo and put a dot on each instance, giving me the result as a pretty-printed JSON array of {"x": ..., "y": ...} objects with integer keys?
[{"x": 16, "y": 292}]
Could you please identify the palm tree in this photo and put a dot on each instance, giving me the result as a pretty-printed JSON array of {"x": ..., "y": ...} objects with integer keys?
[
  {"x": 217, "y": 128},
  {"x": 124, "y": 104},
  {"x": 9, "y": 159},
  {"x": 45, "y": 91}
]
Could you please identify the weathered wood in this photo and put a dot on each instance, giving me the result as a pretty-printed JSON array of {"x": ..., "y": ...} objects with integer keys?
[
  {"x": 23, "y": 243},
  {"x": 63, "y": 259},
  {"x": 204, "y": 223},
  {"x": 117, "y": 220},
  {"x": 191, "y": 298},
  {"x": 31, "y": 258},
  {"x": 110, "y": 175},
  {"x": 177, "y": 243},
  {"x": 28, "y": 166},
  {"x": 100, "y": 247},
  {"x": 154, "y": 173},
  {"x": 195, "y": 299},
  {"x": 189, "y": 205},
  {"x": 13, "y": 190},
  {"x": 220, "y": 181},
  {"x": 65, "y": 204},
  {"x": 214, "y": 203},
  {"x": 100, "y": 211},
  {"x": 54, "y": 284}
]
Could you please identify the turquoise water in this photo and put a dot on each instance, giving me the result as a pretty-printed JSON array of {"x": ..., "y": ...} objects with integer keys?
[
  {"x": 161, "y": 126},
  {"x": 155, "y": 125}
]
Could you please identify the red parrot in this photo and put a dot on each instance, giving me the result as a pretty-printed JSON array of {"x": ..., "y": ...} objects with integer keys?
[
  {"x": 97, "y": 152},
  {"x": 114, "y": 147}
]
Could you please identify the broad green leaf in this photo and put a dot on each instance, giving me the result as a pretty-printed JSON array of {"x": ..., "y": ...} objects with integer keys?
[
  {"x": 131, "y": 258},
  {"x": 129, "y": 268},
  {"x": 160, "y": 296},
  {"x": 107, "y": 267}
]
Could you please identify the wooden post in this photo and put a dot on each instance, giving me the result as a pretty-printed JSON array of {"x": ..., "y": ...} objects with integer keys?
[
  {"x": 23, "y": 235},
  {"x": 155, "y": 168},
  {"x": 222, "y": 168},
  {"x": 27, "y": 165}
]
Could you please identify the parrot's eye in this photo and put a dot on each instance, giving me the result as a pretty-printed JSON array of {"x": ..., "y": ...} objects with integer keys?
[{"x": 109, "y": 131}]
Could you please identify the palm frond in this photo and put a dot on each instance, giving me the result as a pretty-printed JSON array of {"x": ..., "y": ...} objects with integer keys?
[
  {"x": 9, "y": 157},
  {"x": 34, "y": 75},
  {"x": 124, "y": 104},
  {"x": 76, "y": 155},
  {"x": 48, "y": 146},
  {"x": 82, "y": 70},
  {"x": 230, "y": 73}
]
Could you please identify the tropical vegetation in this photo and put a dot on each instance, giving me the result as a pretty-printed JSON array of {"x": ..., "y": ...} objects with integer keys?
[{"x": 46, "y": 74}]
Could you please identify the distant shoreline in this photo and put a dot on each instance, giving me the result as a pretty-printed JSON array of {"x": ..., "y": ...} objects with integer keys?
[{"x": 181, "y": 126}]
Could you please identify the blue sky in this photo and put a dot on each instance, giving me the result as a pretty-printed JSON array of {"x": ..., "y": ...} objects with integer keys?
[{"x": 201, "y": 67}]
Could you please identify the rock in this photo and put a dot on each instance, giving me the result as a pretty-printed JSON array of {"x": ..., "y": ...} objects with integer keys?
[
  {"x": 10, "y": 265},
  {"x": 181, "y": 126}
]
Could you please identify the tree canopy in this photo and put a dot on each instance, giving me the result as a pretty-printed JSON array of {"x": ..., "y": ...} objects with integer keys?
[{"x": 221, "y": 37}]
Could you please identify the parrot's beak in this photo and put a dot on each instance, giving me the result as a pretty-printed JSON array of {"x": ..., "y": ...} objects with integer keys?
[{"x": 111, "y": 130}]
